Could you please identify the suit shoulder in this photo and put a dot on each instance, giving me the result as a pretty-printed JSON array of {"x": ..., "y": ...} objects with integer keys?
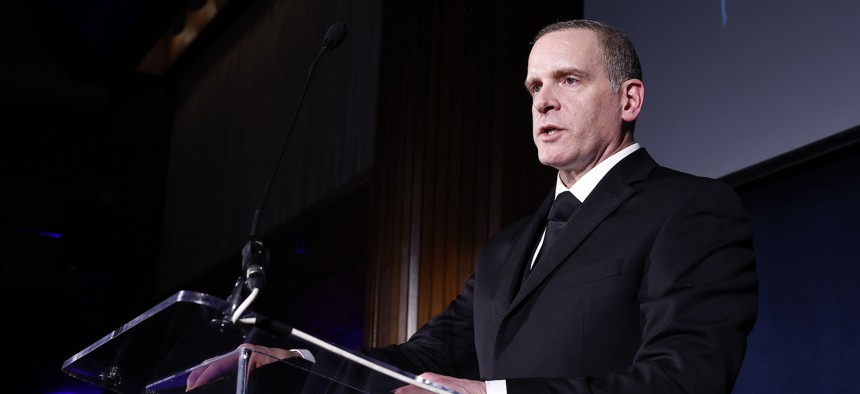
[
  {"x": 683, "y": 179},
  {"x": 676, "y": 187}
]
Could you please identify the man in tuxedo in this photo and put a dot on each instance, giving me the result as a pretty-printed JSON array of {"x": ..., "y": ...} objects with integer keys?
[{"x": 649, "y": 285}]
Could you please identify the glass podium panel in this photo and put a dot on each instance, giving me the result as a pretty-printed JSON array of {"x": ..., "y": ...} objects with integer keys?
[{"x": 190, "y": 334}]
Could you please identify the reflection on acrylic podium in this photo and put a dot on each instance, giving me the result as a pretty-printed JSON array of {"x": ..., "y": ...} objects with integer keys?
[{"x": 157, "y": 351}]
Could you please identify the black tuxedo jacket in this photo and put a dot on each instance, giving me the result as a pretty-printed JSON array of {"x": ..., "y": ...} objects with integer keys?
[{"x": 650, "y": 288}]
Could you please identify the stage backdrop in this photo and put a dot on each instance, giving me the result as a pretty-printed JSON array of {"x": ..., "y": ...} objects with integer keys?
[
  {"x": 806, "y": 220},
  {"x": 732, "y": 83}
]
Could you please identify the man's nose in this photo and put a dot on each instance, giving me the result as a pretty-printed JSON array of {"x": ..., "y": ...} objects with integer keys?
[{"x": 545, "y": 100}]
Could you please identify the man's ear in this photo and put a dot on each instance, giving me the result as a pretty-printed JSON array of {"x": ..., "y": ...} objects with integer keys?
[{"x": 632, "y": 96}]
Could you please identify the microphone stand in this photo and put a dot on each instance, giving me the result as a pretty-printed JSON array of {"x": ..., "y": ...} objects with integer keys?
[{"x": 255, "y": 255}]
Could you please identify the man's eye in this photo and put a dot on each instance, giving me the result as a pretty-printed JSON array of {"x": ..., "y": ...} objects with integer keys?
[
  {"x": 570, "y": 80},
  {"x": 536, "y": 88}
]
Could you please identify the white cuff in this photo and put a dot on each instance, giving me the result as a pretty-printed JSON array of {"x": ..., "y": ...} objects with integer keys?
[{"x": 497, "y": 387}]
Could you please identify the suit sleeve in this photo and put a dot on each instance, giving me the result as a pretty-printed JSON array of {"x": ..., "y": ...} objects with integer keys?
[
  {"x": 698, "y": 301},
  {"x": 445, "y": 344}
]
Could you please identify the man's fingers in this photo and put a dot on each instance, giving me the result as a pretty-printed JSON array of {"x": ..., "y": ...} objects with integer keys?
[
  {"x": 191, "y": 381},
  {"x": 210, "y": 372}
]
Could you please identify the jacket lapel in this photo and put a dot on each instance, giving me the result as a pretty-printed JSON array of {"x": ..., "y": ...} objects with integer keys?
[
  {"x": 612, "y": 191},
  {"x": 512, "y": 269}
]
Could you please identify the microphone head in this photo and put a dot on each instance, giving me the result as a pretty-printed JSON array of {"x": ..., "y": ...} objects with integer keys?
[{"x": 334, "y": 36}]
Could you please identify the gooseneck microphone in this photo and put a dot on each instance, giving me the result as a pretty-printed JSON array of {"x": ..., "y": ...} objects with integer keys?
[
  {"x": 333, "y": 37},
  {"x": 255, "y": 256}
]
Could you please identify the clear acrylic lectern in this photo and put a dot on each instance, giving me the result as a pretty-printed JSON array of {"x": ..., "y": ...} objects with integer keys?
[{"x": 157, "y": 351}]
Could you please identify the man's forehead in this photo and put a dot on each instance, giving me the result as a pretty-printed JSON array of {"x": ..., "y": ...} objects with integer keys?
[{"x": 566, "y": 49}]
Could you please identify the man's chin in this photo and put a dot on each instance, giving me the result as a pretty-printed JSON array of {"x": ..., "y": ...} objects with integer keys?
[{"x": 551, "y": 161}]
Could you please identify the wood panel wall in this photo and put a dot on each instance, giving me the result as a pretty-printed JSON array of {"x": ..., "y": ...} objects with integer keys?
[{"x": 454, "y": 156}]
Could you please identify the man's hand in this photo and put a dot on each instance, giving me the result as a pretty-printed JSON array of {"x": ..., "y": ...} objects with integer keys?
[
  {"x": 226, "y": 366},
  {"x": 461, "y": 386}
]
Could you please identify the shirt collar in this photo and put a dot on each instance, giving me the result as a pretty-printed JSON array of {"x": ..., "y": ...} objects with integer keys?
[{"x": 583, "y": 187}]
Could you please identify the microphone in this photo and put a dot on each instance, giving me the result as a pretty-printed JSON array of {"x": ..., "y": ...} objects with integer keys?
[
  {"x": 334, "y": 36},
  {"x": 255, "y": 256}
]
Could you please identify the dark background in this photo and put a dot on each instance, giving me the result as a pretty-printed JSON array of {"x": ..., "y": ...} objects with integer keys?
[{"x": 82, "y": 177}]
